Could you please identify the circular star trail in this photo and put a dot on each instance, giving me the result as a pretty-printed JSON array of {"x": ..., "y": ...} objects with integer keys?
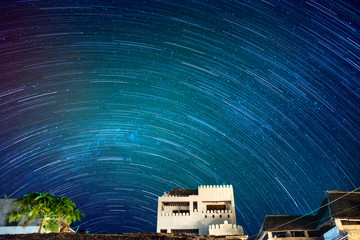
[{"x": 111, "y": 103}]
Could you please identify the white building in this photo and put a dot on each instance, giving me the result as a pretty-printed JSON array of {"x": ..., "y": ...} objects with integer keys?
[
  {"x": 198, "y": 211},
  {"x": 6, "y": 206}
]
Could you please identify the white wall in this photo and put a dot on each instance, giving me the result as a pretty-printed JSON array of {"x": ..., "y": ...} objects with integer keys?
[
  {"x": 18, "y": 230},
  {"x": 225, "y": 229},
  {"x": 332, "y": 233},
  {"x": 196, "y": 219}
]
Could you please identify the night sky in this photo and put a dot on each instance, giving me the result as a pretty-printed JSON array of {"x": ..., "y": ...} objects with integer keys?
[{"x": 111, "y": 103}]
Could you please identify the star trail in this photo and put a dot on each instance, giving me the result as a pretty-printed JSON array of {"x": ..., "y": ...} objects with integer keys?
[{"x": 111, "y": 103}]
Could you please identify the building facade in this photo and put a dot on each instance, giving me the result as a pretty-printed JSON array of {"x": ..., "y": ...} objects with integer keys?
[{"x": 196, "y": 211}]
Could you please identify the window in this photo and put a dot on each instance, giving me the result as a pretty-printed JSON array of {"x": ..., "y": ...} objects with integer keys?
[
  {"x": 184, "y": 211},
  {"x": 297, "y": 234},
  {"x": 228, "y": 216},
  {"x": 344, "y": 222},
  {"x": 186, "y": 231},
  {"x": 279, "y": 234},
  {"x": 195, "y": 206},
  {"x": 216, "y": 207},
  {"x": 220, "y": 216},
  {"x": 163, "y": 231},
  {"x": 213, "y": 216},
  {"x": 316, "y": 233},
  {"x": 205, "y": 216}
]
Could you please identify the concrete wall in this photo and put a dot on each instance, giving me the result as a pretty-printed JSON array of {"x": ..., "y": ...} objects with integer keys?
[
  {"x": 7, "y": 206},
  {"x": 353, "y": 231},
  {"x": 354, "y": 234},
  {"x": 216, "y": 193},
  {"x": 200, "y": 218}
]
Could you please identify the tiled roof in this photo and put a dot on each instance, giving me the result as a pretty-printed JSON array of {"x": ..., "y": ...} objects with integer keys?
[
  {"x": 287, "y": 223},
  {"x": 344, "y": 204}
]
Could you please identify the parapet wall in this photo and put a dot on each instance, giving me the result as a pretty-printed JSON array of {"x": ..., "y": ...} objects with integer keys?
[
  {"x": 207, "y": 190},
  {"x": 225, "y": 229},
  {"x": 216, "y": 192},
  {"x": 215, "y": 186}
]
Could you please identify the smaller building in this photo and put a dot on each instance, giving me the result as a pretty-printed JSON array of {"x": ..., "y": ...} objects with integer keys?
[
  {"x": 338, "y": 218},
  {"x": 290, "y": 228},
  {"x": 226, "y": 229},
  {"x": 7, "y": 206},
  {"x": 340, "y": 215}
]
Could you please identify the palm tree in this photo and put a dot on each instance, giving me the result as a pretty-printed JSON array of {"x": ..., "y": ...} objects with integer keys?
[{"x": 55, "y": 212}]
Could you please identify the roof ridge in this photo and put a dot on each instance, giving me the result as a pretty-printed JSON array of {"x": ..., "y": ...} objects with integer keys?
[{"x": 341, "y": 191}]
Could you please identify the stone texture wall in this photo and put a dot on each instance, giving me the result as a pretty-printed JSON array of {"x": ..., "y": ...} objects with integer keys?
[{"x": 354, "y": 234}]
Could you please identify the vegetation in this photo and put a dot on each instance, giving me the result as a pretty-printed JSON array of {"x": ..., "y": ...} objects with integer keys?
[{"x": 56, "y": 213}]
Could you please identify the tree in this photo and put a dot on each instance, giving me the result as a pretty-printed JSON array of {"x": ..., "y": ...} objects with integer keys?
[
  {"x": 56, "y": 213},
  {"x": 67, "y": 213}
]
